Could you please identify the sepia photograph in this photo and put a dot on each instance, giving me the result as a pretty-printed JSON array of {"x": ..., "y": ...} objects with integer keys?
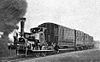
[{"x": 49, "y": 31}]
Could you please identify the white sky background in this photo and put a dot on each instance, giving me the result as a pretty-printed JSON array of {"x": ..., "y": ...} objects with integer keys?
[{"x": 83, "y": 15}]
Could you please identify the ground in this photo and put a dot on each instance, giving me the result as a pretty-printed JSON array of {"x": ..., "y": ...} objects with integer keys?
[{"x": 92, "y": 55}]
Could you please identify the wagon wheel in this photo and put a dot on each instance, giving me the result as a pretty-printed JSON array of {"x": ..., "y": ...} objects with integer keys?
[
  {"x": 43, "y": 54},
  {"x": 77, "y": 49},
  {"x": 37, "y": 54}
]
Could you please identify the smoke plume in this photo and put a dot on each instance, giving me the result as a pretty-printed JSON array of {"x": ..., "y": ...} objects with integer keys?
[{"x": 10, "y": 12}]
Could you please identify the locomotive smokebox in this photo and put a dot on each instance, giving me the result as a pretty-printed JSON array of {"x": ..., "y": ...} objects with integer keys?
[{"x": 22, "y": 23}]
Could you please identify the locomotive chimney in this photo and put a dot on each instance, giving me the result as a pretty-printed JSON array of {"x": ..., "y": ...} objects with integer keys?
[{"x": 22, "y": 26}]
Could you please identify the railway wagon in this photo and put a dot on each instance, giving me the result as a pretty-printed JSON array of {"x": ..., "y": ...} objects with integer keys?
[
  {"x": 66, "y": 37},
  {"x": 79, "y": 39},
  {"x": 83, "y": 40},
  {"x": 54, "y": 33},
  {"x": 88, "y": 41}
]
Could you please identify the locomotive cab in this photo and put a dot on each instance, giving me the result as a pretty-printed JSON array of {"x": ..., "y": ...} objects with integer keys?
[{"x": 38, "y": 32}]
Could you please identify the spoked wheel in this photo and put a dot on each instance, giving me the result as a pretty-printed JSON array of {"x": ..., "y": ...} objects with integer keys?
[
  {"x": 80, "y": 48},
  {"x": 43, "y": 54},
  {"x": 37, "y": 54},
  {"x": 77, "y": 49}
]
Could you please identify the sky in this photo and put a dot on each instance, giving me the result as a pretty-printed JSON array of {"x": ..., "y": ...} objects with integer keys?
[{"x": 83, "y": 15}]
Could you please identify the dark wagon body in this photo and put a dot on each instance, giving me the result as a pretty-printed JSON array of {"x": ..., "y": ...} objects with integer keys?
[{"x": 66, "y": 37}]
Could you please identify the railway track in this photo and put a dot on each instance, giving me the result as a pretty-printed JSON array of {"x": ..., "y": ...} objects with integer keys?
[
  {"x": 23, "y": 57},
  {"x": 91, "y": 55}
]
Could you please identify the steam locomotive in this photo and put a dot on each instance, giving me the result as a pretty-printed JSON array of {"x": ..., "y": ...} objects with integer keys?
[{"x": 50, "y": 37}]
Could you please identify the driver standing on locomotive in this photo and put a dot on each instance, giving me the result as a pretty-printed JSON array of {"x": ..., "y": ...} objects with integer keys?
[
  {"x": 37, "y": 40},
  {"x": 38, "y": 33}
]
